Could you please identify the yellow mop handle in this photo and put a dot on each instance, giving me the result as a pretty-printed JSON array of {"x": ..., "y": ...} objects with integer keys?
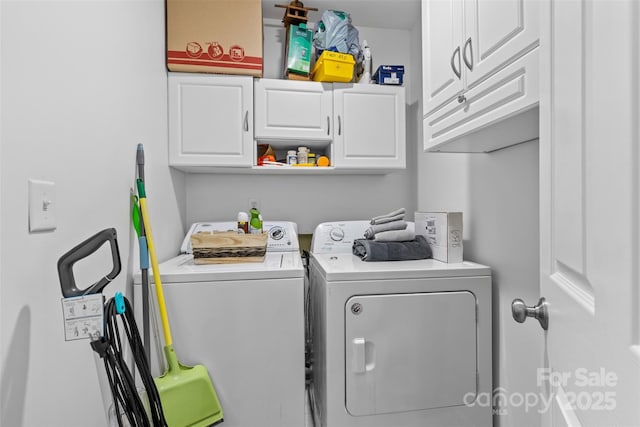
[{"x": 156, "y": 271}]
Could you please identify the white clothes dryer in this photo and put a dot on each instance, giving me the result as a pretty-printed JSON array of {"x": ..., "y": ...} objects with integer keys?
[
  {"x": 397, "y": 343},
  {"x": 244, "y": 322}
]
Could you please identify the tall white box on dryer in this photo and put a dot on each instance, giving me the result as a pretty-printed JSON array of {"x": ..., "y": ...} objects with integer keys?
[{"x": 443, "y": 231}]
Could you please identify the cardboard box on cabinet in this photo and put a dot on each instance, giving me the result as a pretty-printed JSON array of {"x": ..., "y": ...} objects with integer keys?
[
  {"x": 299, "y": 49},
  {"x": 389, "y": 75},
  {"x": 215, "y": 36},
  {"x": 443, "y": 232}
]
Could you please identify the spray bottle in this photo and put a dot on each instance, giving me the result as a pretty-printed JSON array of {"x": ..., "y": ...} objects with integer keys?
[
  {"x": 366, "y": 75},
  {"x": 255, "y": 223}
]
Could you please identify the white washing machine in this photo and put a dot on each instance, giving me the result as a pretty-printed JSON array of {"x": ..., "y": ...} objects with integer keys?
[
  {"x": 244, "y": 322},
  {"x": 397, "y": 343}
]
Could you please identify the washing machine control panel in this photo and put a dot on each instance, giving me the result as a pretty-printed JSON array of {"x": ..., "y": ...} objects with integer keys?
[{"x": 337, "y": 237}]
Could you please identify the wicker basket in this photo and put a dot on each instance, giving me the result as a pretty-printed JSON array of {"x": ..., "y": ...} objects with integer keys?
[{"x": 228, "y": 247}]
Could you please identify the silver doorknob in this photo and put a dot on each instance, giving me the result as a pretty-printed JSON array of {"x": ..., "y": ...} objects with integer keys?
[{"x": 520, "y": 312}]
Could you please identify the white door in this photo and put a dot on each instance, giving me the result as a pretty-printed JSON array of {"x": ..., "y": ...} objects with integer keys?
[{"x": 590, "y": 206}]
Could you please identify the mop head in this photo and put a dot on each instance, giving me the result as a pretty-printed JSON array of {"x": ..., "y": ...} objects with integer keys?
[{"x": 187, "y": 395}]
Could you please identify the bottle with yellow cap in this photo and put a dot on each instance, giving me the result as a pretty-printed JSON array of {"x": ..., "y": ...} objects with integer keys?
[{"x": 311, "y": 159}]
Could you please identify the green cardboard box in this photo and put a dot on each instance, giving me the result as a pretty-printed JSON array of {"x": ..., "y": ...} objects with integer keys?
[{"x": 299, "y": 52}]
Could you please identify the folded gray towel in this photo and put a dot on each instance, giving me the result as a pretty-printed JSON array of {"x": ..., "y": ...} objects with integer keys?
[
  {"x": 391, "y": 216},
  {"x": 371, "y": 250},
  {"x": 370, "y": 232},
  {"x": 395, "y": 235}
]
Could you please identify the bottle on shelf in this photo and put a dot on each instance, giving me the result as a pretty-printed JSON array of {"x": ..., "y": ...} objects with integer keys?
[
  {"x": 243, "y": 223},
  {"x": 302, "y": 155},
  {"x": 292, "y": 157}
]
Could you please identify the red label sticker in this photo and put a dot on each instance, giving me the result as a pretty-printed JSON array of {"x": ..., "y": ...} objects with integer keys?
[
  {"x": 215, "y": 51},
  {"x": 194, "y": 50},
  {"x": 236, "y": 53}
]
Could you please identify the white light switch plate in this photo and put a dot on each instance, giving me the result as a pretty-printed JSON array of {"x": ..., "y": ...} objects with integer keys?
[{"x": 42, "y": 205}]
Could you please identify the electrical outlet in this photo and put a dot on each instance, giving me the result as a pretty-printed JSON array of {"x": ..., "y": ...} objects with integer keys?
[{"x": 254, "y": 203}]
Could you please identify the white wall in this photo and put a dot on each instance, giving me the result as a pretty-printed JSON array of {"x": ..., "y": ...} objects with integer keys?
[
  {"x": 82, "y": 83},
  {"x": 309, "y": 200},
  {"x": 500, "y": 208},
  {"x": 503, "y": 222},
  {"x": 498, "y": 195}
]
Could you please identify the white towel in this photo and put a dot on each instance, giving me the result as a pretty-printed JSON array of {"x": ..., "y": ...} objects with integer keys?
[
  {"x": 391, "y": 216},
  {"x": 397, "y": 235},
  {"x": 398, "y": 217},
  {"x": 379, "y": 228}
]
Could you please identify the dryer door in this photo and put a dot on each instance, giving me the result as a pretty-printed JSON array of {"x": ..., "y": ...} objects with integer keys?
[{"x": 407, "y": 352}]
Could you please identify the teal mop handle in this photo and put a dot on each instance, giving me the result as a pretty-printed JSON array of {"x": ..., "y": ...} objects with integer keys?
[{"x": 144, "y": 266}]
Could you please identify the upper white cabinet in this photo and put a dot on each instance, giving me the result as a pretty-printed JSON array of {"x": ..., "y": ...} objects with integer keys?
[
  {"x": 210, "y": 121},
  {"x": 369, "y": 127},
  {"x": 480, "y": 73},
  {"x": 358, "y": 127}
]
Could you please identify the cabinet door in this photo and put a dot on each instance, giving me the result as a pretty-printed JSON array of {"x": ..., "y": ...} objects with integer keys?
[
  {"x": 369, "y": 126},
  {"x": 496, "y": 114},
  {"x": 497, "y": 33},
  {"x": 210, "y": 120},
  {"x": 441, "y": 52},
  {"x": 286, "y": 111}
]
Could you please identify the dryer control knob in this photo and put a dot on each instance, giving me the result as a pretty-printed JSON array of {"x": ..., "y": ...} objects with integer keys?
[{"x": 336, "y": 234}]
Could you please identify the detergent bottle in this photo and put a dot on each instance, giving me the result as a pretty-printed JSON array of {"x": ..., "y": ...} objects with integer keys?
[{"x": 255, "y": 223}]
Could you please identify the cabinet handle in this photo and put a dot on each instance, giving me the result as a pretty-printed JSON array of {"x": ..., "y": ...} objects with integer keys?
[
  {"x": 339, "y": 126},
  {"x": 457, "y": 72},
  {"x": 246, "y": 121},
  {"x": 328, "y": 126},
  {"x": 468, "y": 63}
]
